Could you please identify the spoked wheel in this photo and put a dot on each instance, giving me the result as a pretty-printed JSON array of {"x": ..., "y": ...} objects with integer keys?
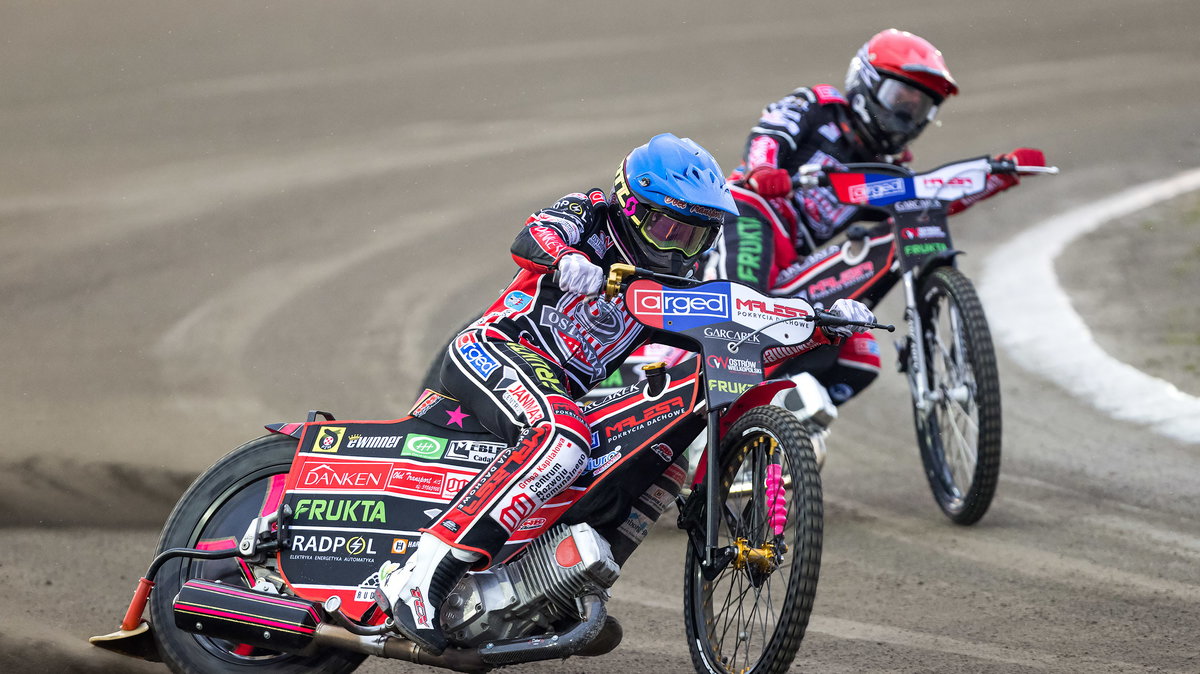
[
  {"x": 752, "y": 615},
  {"x": 958, "y": 422},
  {"x": 213, "y": 515}
]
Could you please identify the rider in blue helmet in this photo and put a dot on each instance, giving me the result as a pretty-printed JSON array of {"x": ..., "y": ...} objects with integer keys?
[
  {"x": 548, "y": 339},
  {"x": 668, "y": 203}
]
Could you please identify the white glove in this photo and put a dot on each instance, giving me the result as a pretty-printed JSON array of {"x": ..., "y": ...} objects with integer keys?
[
  {"x": 851, "y": 310},
  {"x": 577, "y": 274}
]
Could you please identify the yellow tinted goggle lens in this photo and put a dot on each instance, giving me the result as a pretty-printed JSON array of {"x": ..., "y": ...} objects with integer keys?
[{"x": 667, "y": 233}]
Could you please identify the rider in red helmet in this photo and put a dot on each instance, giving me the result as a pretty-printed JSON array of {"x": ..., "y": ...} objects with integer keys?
[
  {"x": 895, "y": 84},
  {"x": 894, "y": 87}
]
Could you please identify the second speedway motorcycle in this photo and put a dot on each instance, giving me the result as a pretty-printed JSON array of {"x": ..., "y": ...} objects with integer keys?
[
  {"x": 947, "y": 353},
  {"x": 269, "y": 562}
]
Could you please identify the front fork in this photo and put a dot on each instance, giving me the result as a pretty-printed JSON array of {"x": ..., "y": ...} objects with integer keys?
[
  {"x": 711, "y": 496},
  {"x": 915, "y": 367},
  {"x": 703, "y": 537}
]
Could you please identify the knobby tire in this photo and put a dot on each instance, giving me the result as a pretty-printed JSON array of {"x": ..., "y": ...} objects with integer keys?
[
  {"x": 960, "y": 358},
  {"x": 770, "y": 606},
  {"x": 220, "y": 504}
]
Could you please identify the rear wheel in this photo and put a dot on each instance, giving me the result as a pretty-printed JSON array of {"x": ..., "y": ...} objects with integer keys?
[
  {"x": 752, "y": 615},
  {"x": 213, "y": 515},
  {"x": 958, "y": 422}
]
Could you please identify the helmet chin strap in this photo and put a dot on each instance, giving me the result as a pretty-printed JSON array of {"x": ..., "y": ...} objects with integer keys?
[
  {"x": 859, "y": 104},
  {"x": 612, "y": 234}
]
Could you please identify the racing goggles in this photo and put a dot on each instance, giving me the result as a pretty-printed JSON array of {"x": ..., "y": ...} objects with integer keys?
[
  {"x": 664, "y": 232},
  {"x": 905, "y": 100}
]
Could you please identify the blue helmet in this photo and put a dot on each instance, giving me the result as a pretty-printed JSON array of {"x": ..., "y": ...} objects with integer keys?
[{"x": 668, "y": 202}]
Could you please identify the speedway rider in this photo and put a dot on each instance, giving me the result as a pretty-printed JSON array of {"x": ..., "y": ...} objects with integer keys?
[
  {"x": 544, "y": 343},
  {"x": 894, "y": 86}
]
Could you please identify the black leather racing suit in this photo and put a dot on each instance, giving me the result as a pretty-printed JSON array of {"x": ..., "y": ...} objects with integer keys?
[
  {"x": 520, "y": 366},
  {"x": 809, "y": 126}
]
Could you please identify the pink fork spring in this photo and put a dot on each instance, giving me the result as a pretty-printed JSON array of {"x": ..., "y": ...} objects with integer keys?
[{"x": 776, "y": 501}]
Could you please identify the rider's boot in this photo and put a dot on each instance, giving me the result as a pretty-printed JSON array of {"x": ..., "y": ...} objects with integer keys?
[
  {"x": 414, "y": 594},
  {"x": 811, "y": 404}
]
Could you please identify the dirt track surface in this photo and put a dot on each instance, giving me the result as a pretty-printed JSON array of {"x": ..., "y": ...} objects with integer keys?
[{"x": 223, "y": 214}]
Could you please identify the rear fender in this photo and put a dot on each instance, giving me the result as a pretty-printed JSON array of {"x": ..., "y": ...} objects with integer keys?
[{"x": 294, "y": 429}]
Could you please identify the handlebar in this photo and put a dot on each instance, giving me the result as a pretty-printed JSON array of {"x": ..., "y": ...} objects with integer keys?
[
  {"x": 619, "y": 271},
  {"x": 1010, "y": 166},
  {"x": 811, "y": 176},
  {"x": 833, "y": 320}
]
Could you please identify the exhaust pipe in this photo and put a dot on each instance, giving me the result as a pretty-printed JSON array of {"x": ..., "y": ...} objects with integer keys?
[
  {"x": 299, "y": 626},
  {"x": 244, "y": 616},
  {"x": 552, "y": 646},
  {"x": 293, "y": 625}
]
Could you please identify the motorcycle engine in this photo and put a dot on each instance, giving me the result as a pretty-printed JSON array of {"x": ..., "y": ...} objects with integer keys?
[{"x": 534, "y": 592}]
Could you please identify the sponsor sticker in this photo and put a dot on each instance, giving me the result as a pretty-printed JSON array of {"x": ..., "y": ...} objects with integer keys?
[
  {"x": 356, "y": 546},
  {"x": 924, "y": 232},
  {"x": 667, "y": 302},
  {"x": 598, "y": 465},
  {"x": 517, "y": 300},
  {"x": 423, "y": 446},
  {"x": 340, "y": 510},
  {"x": 875, "y": 191},
  {"x": 733, "y": 364},
  {"x": 475, "y": 452},
  {"x": 345, "y": 475},
  {"x": 358, "y": 441},
  {"x": 366, "y": 589},
  {"x": 478, "y": 359},
  {"x": 733, "y": 387},
  {"x": 329, "y": 439}
]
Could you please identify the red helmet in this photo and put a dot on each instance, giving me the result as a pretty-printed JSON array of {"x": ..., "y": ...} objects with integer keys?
[{"x": 896, "y": 82}]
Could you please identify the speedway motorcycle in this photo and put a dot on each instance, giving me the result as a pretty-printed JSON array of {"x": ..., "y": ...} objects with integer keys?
[
  {"x": 947, "y": 353},
  {"x": 269, "y": 562}
]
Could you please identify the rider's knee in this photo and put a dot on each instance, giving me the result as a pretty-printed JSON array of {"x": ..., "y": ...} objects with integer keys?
[{"x": 858, "y": 364}]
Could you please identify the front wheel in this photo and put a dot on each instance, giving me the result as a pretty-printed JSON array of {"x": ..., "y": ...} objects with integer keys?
[
  {"x": 752, "y": 616},
  {"x": 213, "y": 515},
  {"x": 958, "y": 419}
]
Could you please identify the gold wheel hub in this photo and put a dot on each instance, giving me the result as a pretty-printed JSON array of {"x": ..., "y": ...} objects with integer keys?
[{"x": 764, "y": 559}]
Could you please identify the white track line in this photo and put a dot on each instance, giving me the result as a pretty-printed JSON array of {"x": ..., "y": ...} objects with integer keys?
[{"x": 1026, "y": 323}]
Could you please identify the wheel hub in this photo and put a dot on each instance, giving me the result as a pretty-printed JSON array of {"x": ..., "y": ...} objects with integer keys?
[{"x": 761, "y": 560}]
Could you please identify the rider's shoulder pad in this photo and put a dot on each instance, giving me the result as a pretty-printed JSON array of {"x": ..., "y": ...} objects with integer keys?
[
  {"x": 827, "y": 94},
  {"x": 578, "y": 203}
]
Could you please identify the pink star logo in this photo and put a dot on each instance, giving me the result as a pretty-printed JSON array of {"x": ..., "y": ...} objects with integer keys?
[{"x": 457, "y": 416}]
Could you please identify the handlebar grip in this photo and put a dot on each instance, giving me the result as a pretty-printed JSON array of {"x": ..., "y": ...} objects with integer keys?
[
  {"x": 1002, "y": 166},
  {"x": 827, "y": 318},
  {"x": 802, "y": 182},
  {"x": 1008, "y": 166}
]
